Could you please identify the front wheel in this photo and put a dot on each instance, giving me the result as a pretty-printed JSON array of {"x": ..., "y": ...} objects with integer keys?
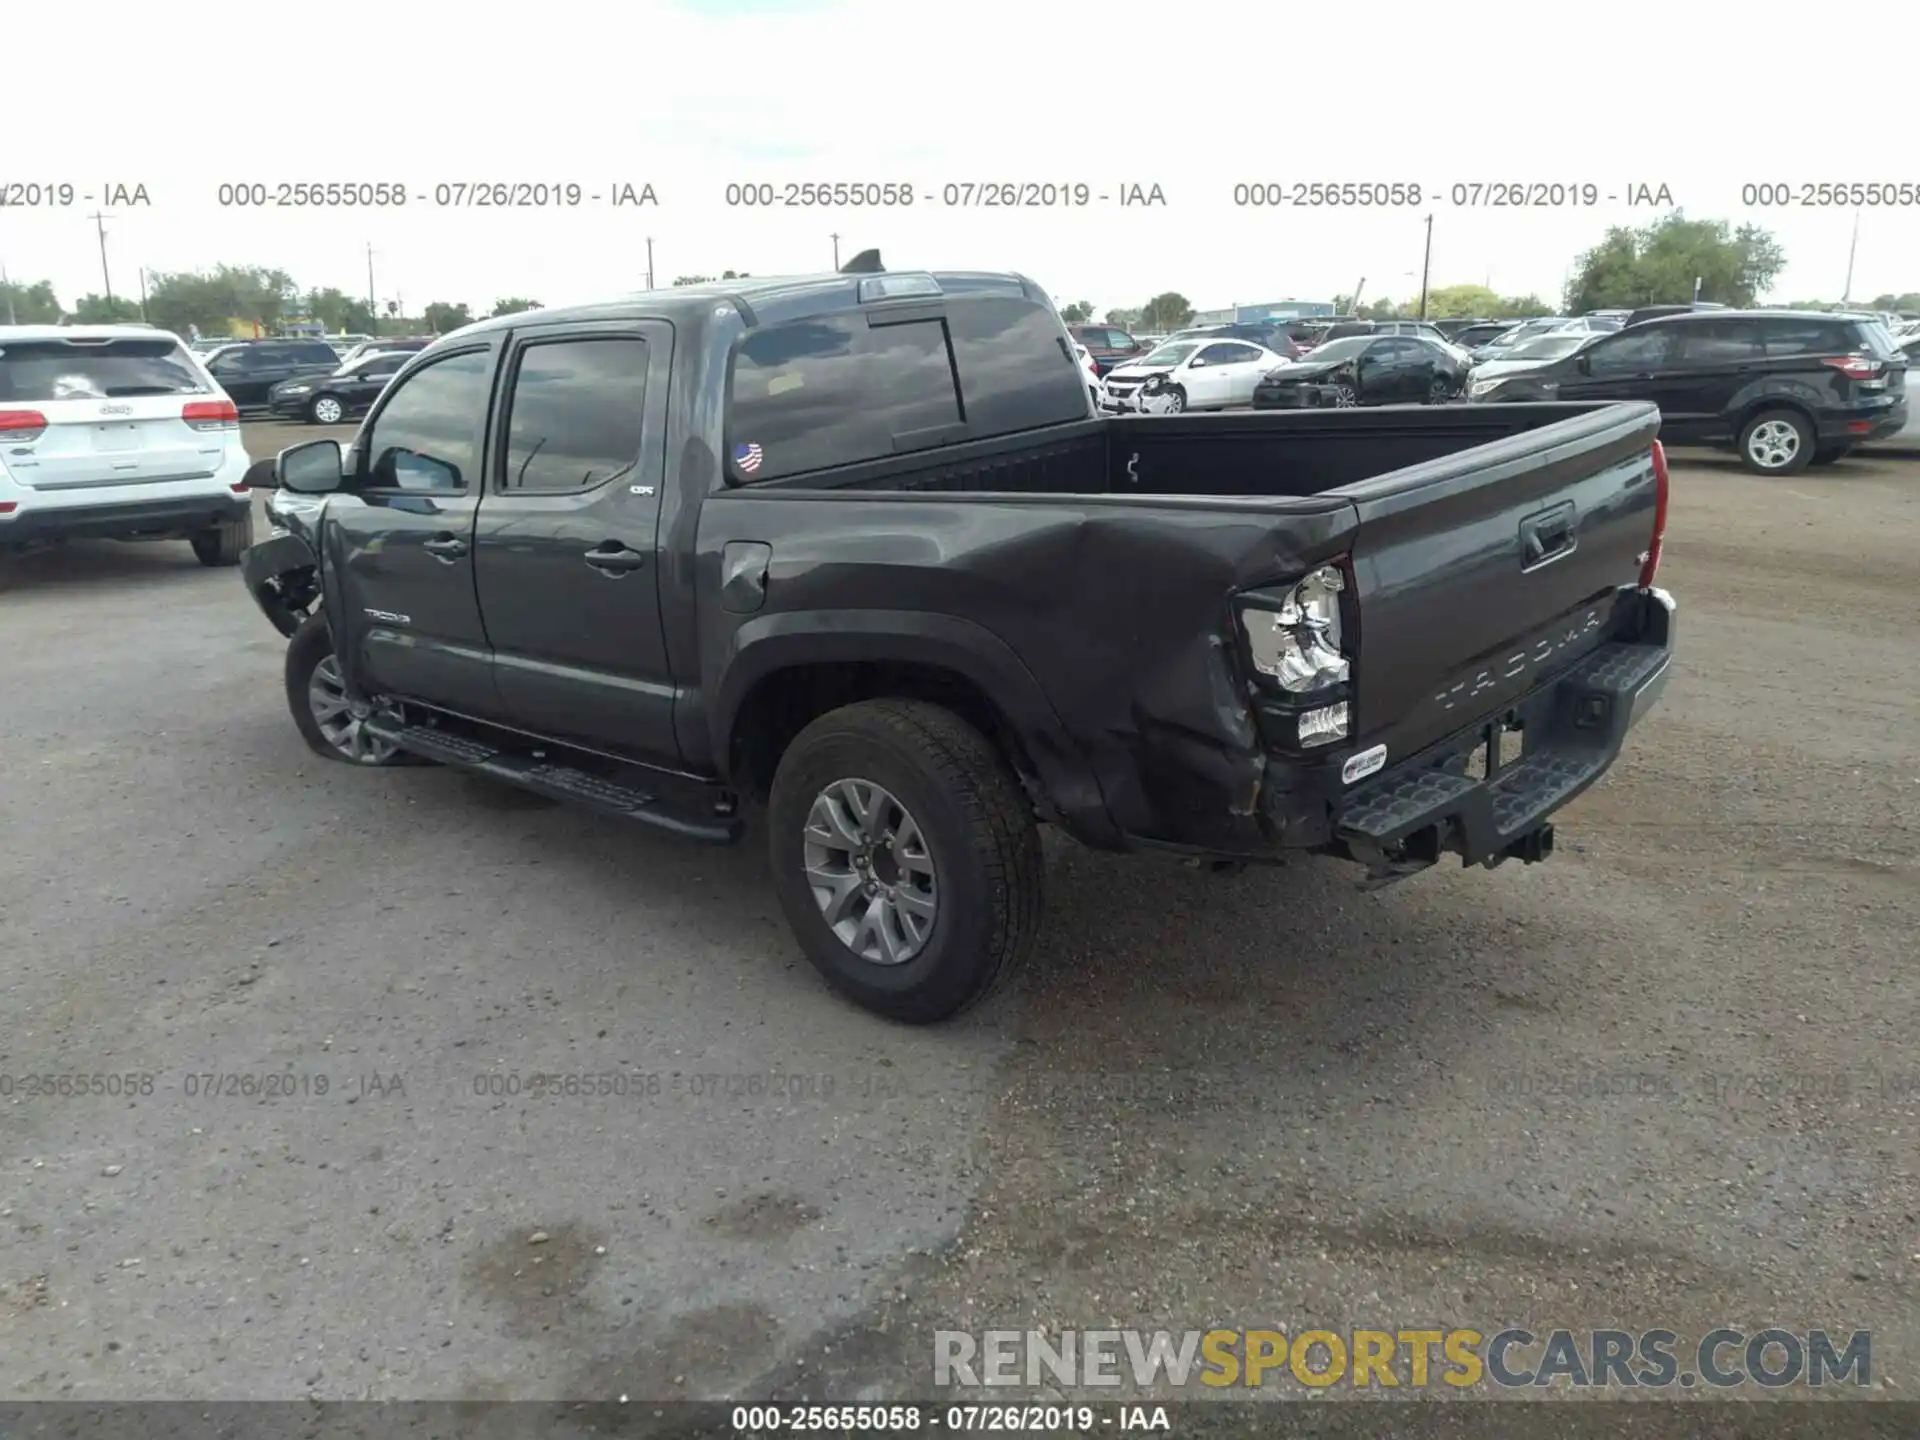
[
  {"x": 326, "y": 410},
  {"x": 1345, "y": 397},
  {"x": 1777, "y": 442},
  {"x": 905, "y": 857},
  {"x": 332, "y": 723}
]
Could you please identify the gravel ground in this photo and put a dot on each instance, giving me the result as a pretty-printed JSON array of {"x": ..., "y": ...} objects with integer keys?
[{"x": 1248, "y": 1101}]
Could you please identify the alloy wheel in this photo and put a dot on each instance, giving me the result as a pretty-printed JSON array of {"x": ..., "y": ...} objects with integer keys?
[
  {"x": 1343, "y": 397},
  {"x": 343, "y": 720},
  {"x": 1773, "y": 444},
  {"x": 871, "y": 872},
  {"x": 327, "y": 410}
]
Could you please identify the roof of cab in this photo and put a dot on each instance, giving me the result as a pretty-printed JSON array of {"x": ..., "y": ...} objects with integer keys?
[{"x": 763, "y": 299}]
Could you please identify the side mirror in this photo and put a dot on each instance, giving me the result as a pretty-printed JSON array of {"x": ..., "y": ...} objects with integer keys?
[
  {"x": 261, "y": 476},
  {"x": 1198, "y": 364},
  {"x": 314, "y": 468}
]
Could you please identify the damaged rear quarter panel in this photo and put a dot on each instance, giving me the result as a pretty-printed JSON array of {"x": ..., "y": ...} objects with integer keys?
[{"x": 1120, "y": 608}]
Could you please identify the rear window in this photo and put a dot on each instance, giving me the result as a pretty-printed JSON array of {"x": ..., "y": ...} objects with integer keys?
[
  {"x": 834, "y": 391},
  {"x": 36, "y": 370}
]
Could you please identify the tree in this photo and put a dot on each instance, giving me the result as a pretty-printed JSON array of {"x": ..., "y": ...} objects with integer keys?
[
  {"x": 1910, "y": 300},
  {"x": 1659, "y": 264},
  {"x": 1125, "y": 319},
  {"x": 33, "y": 304},
  {"x": 341, "y": 313},
  {"x": 214, "y": 299},
  {"x": 99, "y": 310},
  {"x": 443, "y": 318},
  {"x": 514, "y": 305},
  {"x": 1167, "y": 311},
  {"x": 1077, "y": 312}
]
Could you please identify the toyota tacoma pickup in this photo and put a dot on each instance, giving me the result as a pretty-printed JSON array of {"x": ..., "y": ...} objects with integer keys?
[{"x": 853, "y": 555}]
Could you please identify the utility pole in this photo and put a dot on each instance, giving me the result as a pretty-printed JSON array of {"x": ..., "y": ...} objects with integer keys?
[
  {"x": 373, "y": 305},
  {"x": 7, "y": 285},
  {"x": 649, "y": 262},
  {"x": 143, "y": 296},
  {"x": 1847, "y": 295},
  {"x": 1426, "y": 266},
  {"x": 100, "y": 218},
  {"x": 836, "y": 252}
]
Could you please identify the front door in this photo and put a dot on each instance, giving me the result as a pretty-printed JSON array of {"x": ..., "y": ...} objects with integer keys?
[
  {"x": 399, "y": 540},
  {"x": 566, "y": 560},
  {"x": 1619, "y": 367}
]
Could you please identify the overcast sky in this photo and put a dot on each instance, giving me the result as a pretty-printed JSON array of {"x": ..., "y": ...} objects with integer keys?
[{"x": 688, "y": 97}]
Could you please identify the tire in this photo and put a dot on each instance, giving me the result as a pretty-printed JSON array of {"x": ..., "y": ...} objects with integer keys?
[
  {"x": 310, "y": 654},
  {"x": 1177, "y": 394},
  {"x": 326, "y": 410},
  {"x": 977, "y": 846},
  {"x": 1439, "y": 392},
  {"x": 1828, "y": 454},
  {"x": 1777, "y": 442},
  {"x": 223, "y": 544},
  {"x": 1345, "y": 397}
]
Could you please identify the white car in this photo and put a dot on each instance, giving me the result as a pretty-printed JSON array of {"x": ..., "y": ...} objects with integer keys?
[
  {"x": 1191, "y": 375},
  {"x": 118, "y": 432},
  {"x": 1095, "y": 387}
]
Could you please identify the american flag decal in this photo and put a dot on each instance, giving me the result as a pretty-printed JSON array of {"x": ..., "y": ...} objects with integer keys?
[{"x": 747, "y": 457}]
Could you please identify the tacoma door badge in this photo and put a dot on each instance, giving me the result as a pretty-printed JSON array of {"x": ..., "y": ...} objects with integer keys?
[{"x": 390, "y": 617}]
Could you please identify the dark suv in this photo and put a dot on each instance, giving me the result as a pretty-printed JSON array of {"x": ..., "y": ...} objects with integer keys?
[
  {"x": 1108, "y": 345},
  {"x": 249, "y": 369},
  {"x": 1786, "y": 389}
]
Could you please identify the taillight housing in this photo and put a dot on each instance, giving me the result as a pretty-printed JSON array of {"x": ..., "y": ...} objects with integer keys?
[
  {"x": 211, "y": 414},
  {"x": 1650, "y": 563},
  {"x": 21, "y": 426},
  {"x": 1854, "y": 367}
]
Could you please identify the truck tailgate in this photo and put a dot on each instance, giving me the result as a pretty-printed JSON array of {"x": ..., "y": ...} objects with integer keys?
[{"x": 1480, "y": 573}]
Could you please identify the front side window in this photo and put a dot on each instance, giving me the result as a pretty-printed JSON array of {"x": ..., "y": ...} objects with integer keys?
[
  {"x": 424, "y": 436},
  {"x": 574, "y": 420},
  {"x": 1631, "y": 353}
]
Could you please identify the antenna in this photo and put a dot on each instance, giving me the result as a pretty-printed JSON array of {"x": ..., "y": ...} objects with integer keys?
[{"x": 867, "y": 262}]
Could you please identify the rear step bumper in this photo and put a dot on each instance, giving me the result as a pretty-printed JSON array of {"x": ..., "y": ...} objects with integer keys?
[
  {"x": 124, "y": 520},
  {"x": 1573, "y": 729}
]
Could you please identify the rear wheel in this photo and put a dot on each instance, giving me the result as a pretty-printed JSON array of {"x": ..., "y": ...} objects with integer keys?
[
  {"x": 1439, "y": 392},
  {"x": 1827, "y": 454},
  {"x": 223, "y": 544},
  {"x": 905, "y": 857},
  {"x": 326, "y": 410},
  {"x": 332, "y": 724},
  {"x": 1777, "y": 442}
]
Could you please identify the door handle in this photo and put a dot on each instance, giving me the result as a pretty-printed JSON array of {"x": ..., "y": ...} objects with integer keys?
[
  {"x": 445, "y": 548},
  {"x": 613, "y": 559},
  {"x": 1547, "y": 535}
]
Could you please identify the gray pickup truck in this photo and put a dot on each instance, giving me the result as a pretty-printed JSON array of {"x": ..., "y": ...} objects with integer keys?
[{"x": 852, "y": 552}]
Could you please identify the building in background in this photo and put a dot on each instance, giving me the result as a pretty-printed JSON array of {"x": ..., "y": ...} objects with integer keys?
[{"x": 1272, "y": 310}]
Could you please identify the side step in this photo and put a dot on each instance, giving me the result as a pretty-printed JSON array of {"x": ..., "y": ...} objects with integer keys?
[{"x": 518, "y": 762}]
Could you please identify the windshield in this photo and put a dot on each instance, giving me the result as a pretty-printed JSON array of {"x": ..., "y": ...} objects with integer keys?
[
  {"x": 1167, "y": 356},
  {"x": 35, "y": 370},
  {"x": 1548, "y": 347},
  {"x": 1344, "y": 349}
]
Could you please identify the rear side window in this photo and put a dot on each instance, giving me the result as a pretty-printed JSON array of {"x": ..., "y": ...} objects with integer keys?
[
  {"x": 1805, "y": 337},
  {"x": 48, "y": 370},
  {"x": 575, "y": 417},
  {"x": 835, "y": 391},
  {"x": 1013, "y": 376},
  {"x": 1711, "y": 341}
]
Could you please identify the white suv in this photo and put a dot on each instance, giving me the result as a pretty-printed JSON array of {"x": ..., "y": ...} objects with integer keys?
[{"x": 118, "y": 432}]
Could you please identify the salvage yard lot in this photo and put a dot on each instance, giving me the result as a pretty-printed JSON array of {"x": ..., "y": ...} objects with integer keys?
[{"x": 1667, "y": 1078}]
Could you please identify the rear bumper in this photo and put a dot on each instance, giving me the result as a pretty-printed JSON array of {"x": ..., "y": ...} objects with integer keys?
[
  {"x": 128, "y": 520},
  {"x": 1863, "y": 426},
  {"x": 1573, "y": 728}
]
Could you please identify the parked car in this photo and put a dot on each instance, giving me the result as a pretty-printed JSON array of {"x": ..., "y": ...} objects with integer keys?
[
  {"x": 1785, "y": 389},
  {"x": 398, "y": 345},
  {"x": 1517, "y": 334},
  {"x": 249, "y": 369},
  {"x": 1589, "y": 325},
  {"x": 1095, "y": 390},
  {"x": 1425, "y": 329},
  {"x": 1485, "y": 380},
  {"x": 1656, "y": 312},
  {"x": 1194, "y": 375},
  {"x": 117, "y": 432},
  {"x": 1109, "y": 345},
  {"x": 1269, "y": 335},
  {"x": 1365, "y": 370},
  {"x": 1303, "y": 663},
  {"x": 1481, "y": 332},
  {"x": 347, "y": 392}
]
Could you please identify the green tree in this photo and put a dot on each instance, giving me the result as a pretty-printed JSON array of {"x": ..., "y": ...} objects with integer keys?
[
  {"x": 1660, "y": 263},
  {"x": 514, "y": 305},
  {"x": 341, "y": 313},
  {"x": 1078, "y": 311},
  {"x": 251, "y": 294},
  {"x": 1167, "y": 311},
  {"x": 1909, "y": 300},
  {"x": 99, "y": 310},
  {"x": 1385, "y": 309},
  {"x": 1125, "y": 319},
  {"x": 443, "y": 319},
  {"x": 34, "y": 304}
]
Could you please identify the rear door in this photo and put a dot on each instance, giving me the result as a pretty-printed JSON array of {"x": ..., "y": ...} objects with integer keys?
[
  {"x": 1712, "y": 361},
  {"x": 245, "y": 375},
  {"x": 399, "y": 539},
  {"x": 80, "y": 417},
  {"x": 566, "y": 554}
]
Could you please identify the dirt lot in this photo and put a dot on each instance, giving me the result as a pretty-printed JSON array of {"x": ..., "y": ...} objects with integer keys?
[{"x": 1668, "y": 1078}]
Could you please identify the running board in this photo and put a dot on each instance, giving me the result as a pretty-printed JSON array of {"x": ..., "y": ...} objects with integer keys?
[{"x": 538, "y": 771}]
